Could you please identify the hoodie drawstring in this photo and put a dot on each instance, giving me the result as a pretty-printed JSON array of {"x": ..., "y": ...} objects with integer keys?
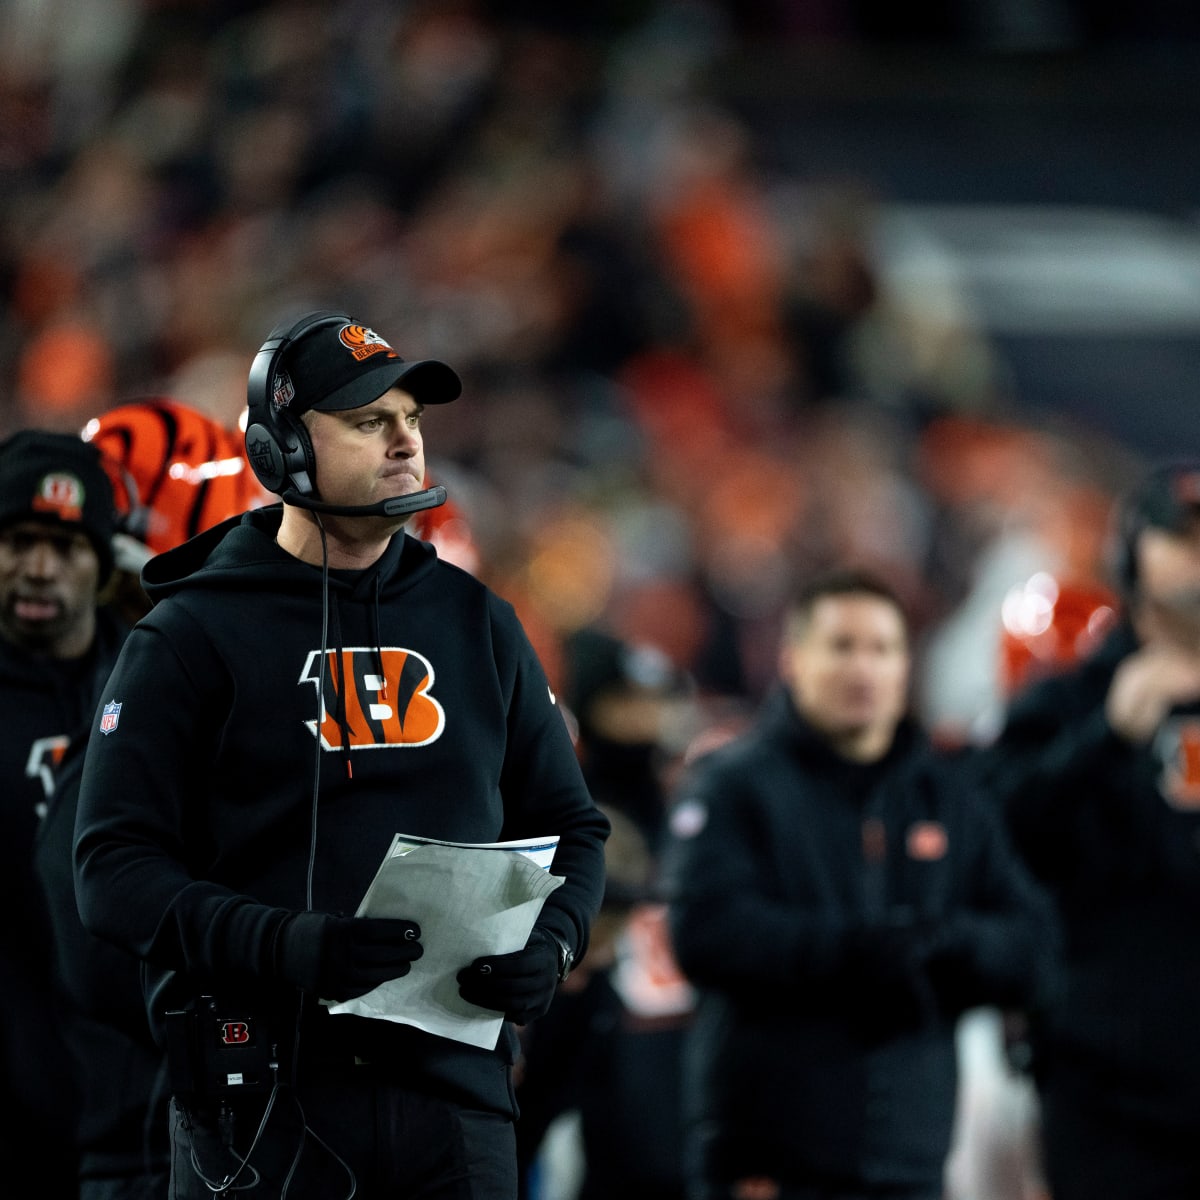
[
  {"x": 339, "y": 660},
  {"x": 383, "y": 685}
]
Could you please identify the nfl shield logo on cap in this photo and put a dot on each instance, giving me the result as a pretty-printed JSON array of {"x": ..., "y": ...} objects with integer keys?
[{"x": 110, "y": 716}]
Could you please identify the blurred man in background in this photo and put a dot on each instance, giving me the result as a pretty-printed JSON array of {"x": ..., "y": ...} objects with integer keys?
[
  {"x": 633, "y": 710},
  {"x": 1098, "y": 769},
  {"x": 604, "y": 1063},
  {"x": 1047, "y": 623},
  {"x": 57, "y": 644},
  {"x": 174, "y": 471},
  {"x": 608, "y": 1052},
  {"x": 839, "y": 898}
]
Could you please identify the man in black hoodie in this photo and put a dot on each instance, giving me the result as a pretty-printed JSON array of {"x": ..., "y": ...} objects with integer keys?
[
  {"x": 57, "y": 642},
  {"x": 310, "y": 682},
  {"x": 839, "y": 896},
  {"x": 1098, "y": 769}
]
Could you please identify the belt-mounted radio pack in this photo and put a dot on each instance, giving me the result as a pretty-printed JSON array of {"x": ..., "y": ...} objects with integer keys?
[{"x": 217, "y": 1050}]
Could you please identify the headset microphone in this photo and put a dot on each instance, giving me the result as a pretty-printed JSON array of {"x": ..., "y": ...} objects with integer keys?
[{"x": 396, "y": 506}]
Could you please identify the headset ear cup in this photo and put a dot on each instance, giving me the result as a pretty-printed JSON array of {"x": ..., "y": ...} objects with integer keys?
[
  {"x": 283, "y": 461},
  {"x": 266, "y": 457},
  {"x": 278, "y": 446}
]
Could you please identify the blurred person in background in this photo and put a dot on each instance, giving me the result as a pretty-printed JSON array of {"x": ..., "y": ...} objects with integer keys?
[
  {"x": 57, "y": 644},
  {"x": 608, "y": 1054},
  {"x": 174, "y": 472},
  {"x": 632, "y": 708},
  {"x": 839, "y": 897},
  {"x": 1046, "y": 625},
  {"x": 600, "y": 1083},
  {"x": 1098, "y": 772}
]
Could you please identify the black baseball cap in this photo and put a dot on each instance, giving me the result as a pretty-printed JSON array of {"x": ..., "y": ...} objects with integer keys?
[{"x": 344, "y": 364}]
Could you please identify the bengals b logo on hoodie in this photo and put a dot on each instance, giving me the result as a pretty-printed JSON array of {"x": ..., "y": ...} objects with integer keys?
[{"x": 378, "y": 695}]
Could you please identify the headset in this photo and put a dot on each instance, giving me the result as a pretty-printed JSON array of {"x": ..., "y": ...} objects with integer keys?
[
  {"x": 1126, "y": 527},
  {"x": 279, "y": 447}
]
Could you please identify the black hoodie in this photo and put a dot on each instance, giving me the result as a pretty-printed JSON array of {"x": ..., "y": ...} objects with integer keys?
[
  {"x": 204, "y": 791},
  {"x": 799, "y": 1066},
  {"x": 1113, "y": 829},
  {"x": 46, "y": 702}
]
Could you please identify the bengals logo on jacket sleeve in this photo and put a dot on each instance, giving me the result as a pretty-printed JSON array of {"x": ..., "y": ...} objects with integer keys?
[
  {"x": 45, "y": 756},
  {"x": 389, "y": 709}
]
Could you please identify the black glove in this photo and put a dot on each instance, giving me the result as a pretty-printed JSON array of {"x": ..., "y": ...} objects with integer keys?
[
  {"x": 520, "y": 985},
  {"x": 339, "y": 958},
  {"x": 883, "y": 958},
  {"x": 950, "y": 966},
  {"x": 883, "y": 972}
]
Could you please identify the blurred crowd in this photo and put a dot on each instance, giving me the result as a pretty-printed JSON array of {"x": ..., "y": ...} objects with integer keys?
[{"x": 689, "y": 380}]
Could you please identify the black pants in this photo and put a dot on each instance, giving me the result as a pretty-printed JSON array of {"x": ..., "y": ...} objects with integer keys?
[{"x": 375, "y": 1140}]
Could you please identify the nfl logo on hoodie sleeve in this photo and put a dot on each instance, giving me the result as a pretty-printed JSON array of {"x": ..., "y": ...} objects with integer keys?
[{"x": 110, "y": 715}]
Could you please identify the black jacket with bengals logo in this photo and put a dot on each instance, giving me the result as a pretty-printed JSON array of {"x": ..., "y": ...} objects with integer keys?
[
  {"x": 46, "y": 702},
  {"x": 199, "y": 791},
  {"x": 837, "y": 918},
  {"x": 1114, "y": 831}
]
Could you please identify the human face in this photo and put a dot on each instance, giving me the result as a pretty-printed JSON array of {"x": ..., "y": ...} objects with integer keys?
[
  {"x": 371, "y": 453},
  {"x": 1166, "y": 609},
  {"x": 49, "y": 580},
  {"x": 847, "y": 670}
]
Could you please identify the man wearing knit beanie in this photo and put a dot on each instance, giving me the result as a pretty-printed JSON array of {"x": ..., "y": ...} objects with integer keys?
[
  {"x": 57, "y": 646},
  {"x": 58, "y": 479}
]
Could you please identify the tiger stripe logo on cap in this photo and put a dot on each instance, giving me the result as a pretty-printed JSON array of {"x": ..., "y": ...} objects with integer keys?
[
  {"x": 363, "y": 342},
  {"x": 61, "y": 494}
]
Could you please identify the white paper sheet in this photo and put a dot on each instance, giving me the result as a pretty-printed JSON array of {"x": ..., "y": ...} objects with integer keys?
[{"x": 468, "y": 899}]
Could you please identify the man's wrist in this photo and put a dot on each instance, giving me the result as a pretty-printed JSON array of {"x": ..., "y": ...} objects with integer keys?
[{"x": 566, "y": 956}]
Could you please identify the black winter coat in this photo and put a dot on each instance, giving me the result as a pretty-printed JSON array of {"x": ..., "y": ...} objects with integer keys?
[
  {"x": 837, "y": 918},
  {"x": 46, "y": 702},
  {"x": 1114, "y": 831}
]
